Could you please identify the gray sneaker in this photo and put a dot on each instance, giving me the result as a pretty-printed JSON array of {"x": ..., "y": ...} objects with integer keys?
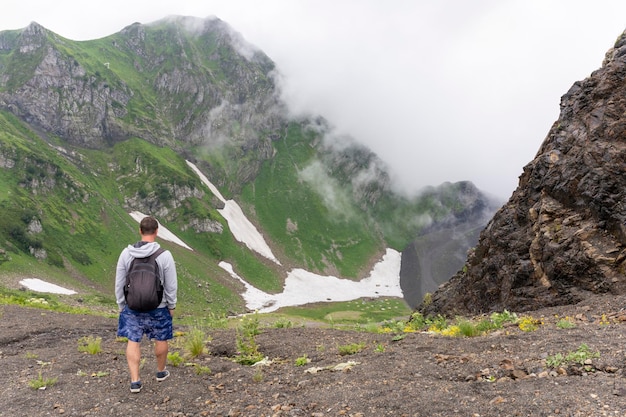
[{"x": 162, "y": 375}]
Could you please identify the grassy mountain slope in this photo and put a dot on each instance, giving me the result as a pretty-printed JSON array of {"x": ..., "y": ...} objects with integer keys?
[{"x": 92, "y": 130}]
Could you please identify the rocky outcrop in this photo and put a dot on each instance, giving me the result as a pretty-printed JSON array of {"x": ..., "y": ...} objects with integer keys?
[
  {"x": 58, "y": 95},
  {"x": 180, "y": 82},
  {"x": 562, "y": 234}
]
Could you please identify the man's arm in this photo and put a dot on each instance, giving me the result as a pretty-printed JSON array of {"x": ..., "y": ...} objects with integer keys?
[
  {"x": 170, "y": 279},
  {"x": 120, "y": 281}
]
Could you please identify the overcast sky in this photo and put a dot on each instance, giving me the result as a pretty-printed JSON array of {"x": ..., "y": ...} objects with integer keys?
[{"x": 443, "y": 90}]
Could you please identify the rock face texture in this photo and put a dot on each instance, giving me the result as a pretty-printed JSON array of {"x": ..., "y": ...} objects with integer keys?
[
  {"x": 562, "y": 234},
  {"x": 200, "y": 78}
]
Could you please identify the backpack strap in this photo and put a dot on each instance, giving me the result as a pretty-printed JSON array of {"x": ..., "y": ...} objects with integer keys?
[
  {"x": 152, "y": 258},
  {"x": 156, "y": 253}
]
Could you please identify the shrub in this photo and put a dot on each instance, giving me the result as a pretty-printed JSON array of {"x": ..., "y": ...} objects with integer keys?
[
  {"x": 41, "y": 383},
  {"x": 90, "y": 344},
  {"x": 529, "y": 324},
  {"x": 565, "y": 323},
  {"x": 283, "y": 323},
  {"x": 579, "y": 356},
  {"x": 174, "y": 358},
  {"x": 258, "y": 375},
  {"x": 302, "y": 360},
  {"x": 418, "y": 321},
  {"x": 428, "y": 299},
  {"x": 351, "y": 348},
  {"x": 247, "y": 347},
  {"x": 468, "y": 329},
  {"x": 498, "y": 319},
  {"x": 395, "y": 326},
  {"x": 452, "y": 331},
  {"x": 438, "y": 324},
  {"x": 195, "y": 341},
  {"x": 216, "y": 321},
  {"x": 203, "y": 370},
  {"x": 486, "y": 325}
]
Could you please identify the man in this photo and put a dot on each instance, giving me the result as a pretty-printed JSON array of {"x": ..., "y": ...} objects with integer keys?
[{"x": 155, "y": 324}]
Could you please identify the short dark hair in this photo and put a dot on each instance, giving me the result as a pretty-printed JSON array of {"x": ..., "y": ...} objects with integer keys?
[{"x": 148, "y": 225}]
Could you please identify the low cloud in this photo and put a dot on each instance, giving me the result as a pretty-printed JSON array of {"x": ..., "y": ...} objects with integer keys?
[
  {"x": 329, "y": 191},
  {"x": 441, "y": 91}
]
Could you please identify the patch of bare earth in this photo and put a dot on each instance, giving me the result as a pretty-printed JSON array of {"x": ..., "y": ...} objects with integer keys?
[{"x": 501, "y": 374}]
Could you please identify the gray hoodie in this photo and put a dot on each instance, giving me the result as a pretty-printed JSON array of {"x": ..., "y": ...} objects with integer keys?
[{"x": 167, "y": 268}]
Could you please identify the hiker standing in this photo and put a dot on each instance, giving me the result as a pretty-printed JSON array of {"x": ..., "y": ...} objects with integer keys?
[{"x": 154, "y": 322}]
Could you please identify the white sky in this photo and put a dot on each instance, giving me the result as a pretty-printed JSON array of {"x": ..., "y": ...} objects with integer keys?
[{"x": 442, "y": 90}]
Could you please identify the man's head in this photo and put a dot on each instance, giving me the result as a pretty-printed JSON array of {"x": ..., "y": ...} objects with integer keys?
[{"x": 148, "y": 226}]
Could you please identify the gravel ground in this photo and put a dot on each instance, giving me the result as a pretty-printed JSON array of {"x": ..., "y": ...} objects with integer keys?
[{"x": 501, "y": 374}]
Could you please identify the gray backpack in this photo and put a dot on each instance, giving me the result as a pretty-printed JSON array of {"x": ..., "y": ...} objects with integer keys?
[{"x": 143, "y": 289}]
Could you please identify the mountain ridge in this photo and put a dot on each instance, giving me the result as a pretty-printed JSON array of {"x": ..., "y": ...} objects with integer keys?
[{"x": 94, "y": 130}]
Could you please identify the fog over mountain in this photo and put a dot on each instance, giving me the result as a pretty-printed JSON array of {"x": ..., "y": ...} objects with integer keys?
[{"x": 443, "y": 91}]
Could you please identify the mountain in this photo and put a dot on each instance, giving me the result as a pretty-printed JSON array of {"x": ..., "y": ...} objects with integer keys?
[
  {"x": 440, "y": 249},
  {"x": 562, "y": 234},
  {"x": 94, "y": 130}
]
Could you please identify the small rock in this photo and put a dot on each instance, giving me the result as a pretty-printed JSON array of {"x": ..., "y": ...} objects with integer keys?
[
  {"x": 518, "y": 374},
  {"x": 498, "y": 400}
]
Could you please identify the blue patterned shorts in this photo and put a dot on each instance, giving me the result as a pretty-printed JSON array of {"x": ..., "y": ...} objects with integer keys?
[{"x": 155, "y": 324}]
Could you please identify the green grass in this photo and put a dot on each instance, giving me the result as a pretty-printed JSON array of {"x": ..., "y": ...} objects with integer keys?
[
  {"x": 195, "y": 341},
  {"x": 248, "y": 352},
  {"x": 302, "y": 360},
  {"x": 296, "y": 216},
  {"x": 580, "y": 356},
  {"x": 52, "y": 302},
  {"x": 302, "y": 199},
  {"x": 174, "y": 358},
  {"x": 351, "y": 312},
  {"x": 90, "y": 344},
  {"x": 41, "y": 383},
  {"x": 351, "y": 348}
]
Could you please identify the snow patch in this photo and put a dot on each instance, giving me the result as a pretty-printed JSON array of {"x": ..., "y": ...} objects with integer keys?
[
  {"x": 35, "y": 284},
  {"x": 242, "y": 229},
  {"x": 303, "y": 287}
]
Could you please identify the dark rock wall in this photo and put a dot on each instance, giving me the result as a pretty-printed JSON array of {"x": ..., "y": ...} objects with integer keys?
[{"x": 562, "y": 234}]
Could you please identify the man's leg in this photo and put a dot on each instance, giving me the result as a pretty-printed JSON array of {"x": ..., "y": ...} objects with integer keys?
[
  {"x": 133, "y": 357},
  {"x": 160, "y": 351}
]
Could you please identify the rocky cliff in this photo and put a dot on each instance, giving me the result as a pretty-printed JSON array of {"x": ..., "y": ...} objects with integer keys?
[
  {"x": 562, "y": 234},
  {"x": 180, "y": 82}
]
